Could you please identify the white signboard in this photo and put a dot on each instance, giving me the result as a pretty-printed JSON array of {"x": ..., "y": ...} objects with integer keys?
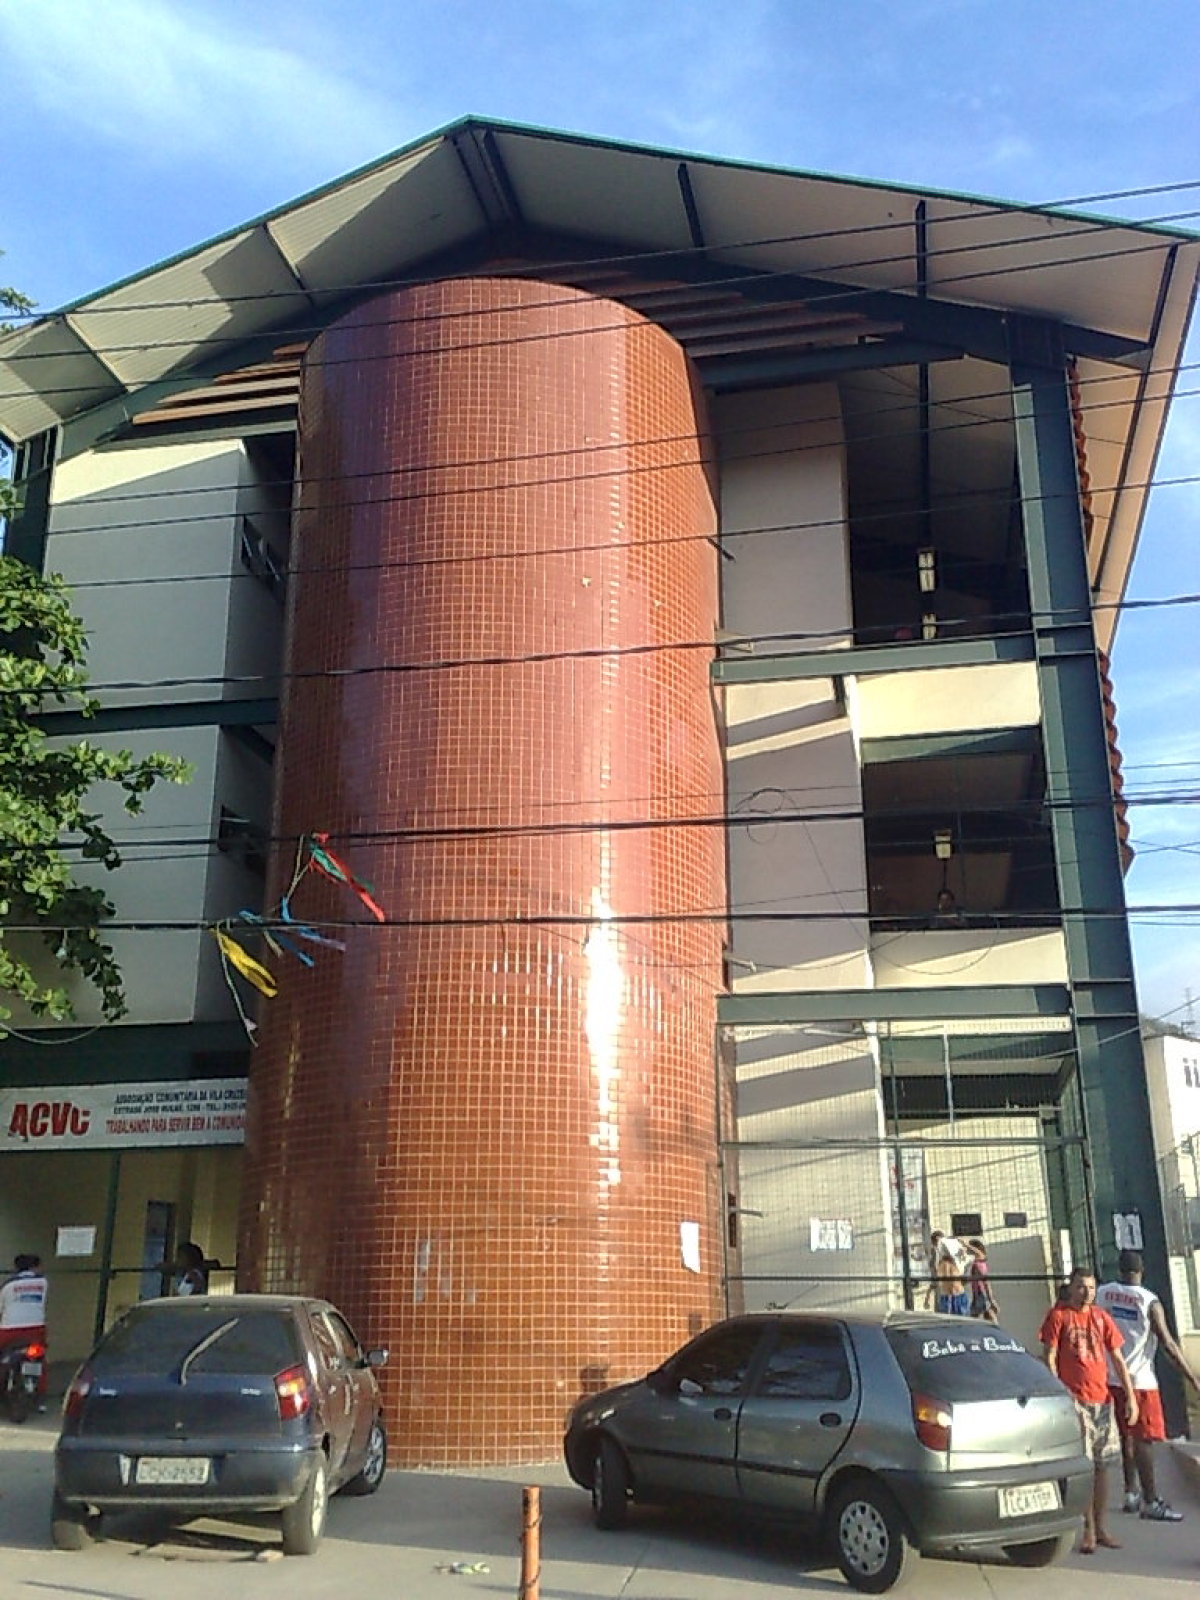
[
  {"x": 79, "y": 1241},
  {"x": 98, "y": 1116},
  {"x": 689, "y": 1245}
]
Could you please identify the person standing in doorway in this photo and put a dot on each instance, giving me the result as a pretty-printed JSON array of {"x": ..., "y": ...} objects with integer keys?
[
  {"x": 1076, "y": 1338},
  {"x": 1141, "y": 1321},
  {"x": 948, "y": 1290},
  {"x": 983, "y": 1301},
  {"x": 23, "y": 1309},
  {"x": 191, "y": 1276}
]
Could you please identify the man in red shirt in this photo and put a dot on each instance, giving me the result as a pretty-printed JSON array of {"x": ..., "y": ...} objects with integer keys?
[{"x": 1078, "y": 1339}]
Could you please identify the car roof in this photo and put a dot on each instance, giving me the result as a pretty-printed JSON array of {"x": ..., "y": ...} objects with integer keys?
[
  {"x": 234, "y": 1302},
  {"x": 853, "y": 1319}
]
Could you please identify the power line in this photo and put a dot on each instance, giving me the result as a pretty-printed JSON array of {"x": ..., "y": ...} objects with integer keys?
[
  {"x": 977, "y": 214},
  {"x": 581, "y": 919},
  {"x": 303, "y": 483},
  {"x": 1060, "y": 617},
  {"x": 441, "y": 833},
  {"x": 833, "y": 296}
]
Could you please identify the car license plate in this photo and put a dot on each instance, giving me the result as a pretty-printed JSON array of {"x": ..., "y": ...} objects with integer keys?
[
  {"x": 31, "y": 1369},
  {"x": 172, "y": 1469},
  {"x": 1028, "y": 1498}
]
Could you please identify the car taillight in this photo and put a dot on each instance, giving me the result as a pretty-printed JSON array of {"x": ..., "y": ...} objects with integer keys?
[
  {"x": 293, "y": 1393},
  {"x": 81, "y": 1387},
  {"x": 932, "y": 1419},
  {"x": 35, "y": 1352}
]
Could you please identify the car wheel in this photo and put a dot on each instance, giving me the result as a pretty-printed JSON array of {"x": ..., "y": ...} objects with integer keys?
[
  {"x": 611, "y": 1484},
  {"x": 370, "y": 1475},
  {"x": 69, "y": 1525},
  {"x": 1040, "y": 1552},
  {"x": 19, "y": 1401},
  {"x": 874, "y": 1550},
  {"x": 304, "y": 1519}
]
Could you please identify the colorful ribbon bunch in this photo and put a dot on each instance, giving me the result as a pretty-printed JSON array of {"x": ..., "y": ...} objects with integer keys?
[{"x": 313, "y": 854}]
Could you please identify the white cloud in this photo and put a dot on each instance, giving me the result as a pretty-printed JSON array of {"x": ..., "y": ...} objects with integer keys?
[{"x": 172, "y": 82}]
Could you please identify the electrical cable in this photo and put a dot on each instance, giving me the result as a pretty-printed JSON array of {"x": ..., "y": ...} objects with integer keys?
[
  {"x": 180, "y": 520},
  {"x": 1058, "y": 619},
  {"x": 1052, "y": 211},
  {"x": 835, "y": 294},
  {"x": 585, "y": 919}
]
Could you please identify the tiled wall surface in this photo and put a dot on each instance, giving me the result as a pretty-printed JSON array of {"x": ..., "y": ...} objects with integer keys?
[{"x": 481, "y": 1127}]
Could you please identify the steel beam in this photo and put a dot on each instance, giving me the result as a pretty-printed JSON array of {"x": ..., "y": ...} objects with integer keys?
[
  {"x": 933, "y": 746},
  {"x": 164, "y": 714},
  {"x": 1079, "y": 795},
  {"x": 912, "y": 656},
  {"x": 795, "y": 1007}
]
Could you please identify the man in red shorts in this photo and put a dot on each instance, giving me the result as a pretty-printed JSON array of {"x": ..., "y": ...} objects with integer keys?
[
  {"x": 1138, "y": 1314},
  {"x": 1077, "y": 1337}
]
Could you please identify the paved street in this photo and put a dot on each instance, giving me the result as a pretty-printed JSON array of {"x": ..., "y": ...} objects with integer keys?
[{"x": 391, "y": 1547}]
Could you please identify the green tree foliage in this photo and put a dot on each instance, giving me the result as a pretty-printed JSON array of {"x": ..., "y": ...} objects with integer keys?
[
  {"x": 13, "y": 300},
  {"x": 46, "y": 787}
]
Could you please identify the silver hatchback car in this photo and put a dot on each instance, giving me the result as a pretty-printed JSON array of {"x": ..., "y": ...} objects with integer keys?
[{"x": 892, "y": 1434}]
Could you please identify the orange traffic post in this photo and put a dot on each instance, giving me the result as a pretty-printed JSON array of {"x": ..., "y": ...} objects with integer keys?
[{"x": 531, "y": 1543}]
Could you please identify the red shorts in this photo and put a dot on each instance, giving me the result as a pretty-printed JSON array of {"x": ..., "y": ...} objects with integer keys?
[{"x": 1149, "y": 1425}]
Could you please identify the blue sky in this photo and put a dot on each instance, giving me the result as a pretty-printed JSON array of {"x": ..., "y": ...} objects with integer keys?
[{"x": 137, "y": 128}]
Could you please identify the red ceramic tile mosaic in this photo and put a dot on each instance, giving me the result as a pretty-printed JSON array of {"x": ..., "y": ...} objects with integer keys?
[{"x": 481, "y": 1137}]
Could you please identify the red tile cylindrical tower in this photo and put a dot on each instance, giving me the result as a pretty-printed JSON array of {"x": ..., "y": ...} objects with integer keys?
[{"x": 487, "y": 1128}]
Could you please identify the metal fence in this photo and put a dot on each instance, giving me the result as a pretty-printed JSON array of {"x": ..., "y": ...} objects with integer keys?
[{"x": 852, "y": 1144}]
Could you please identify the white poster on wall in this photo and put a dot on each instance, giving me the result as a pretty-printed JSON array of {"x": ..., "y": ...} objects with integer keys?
[
  {"x": 78, "y": 1241},
  {"x": 98, "y": 1116}
]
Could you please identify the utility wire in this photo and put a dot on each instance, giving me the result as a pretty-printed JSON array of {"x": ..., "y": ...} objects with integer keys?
[
  {"x": 304, "y": 483},
  {"x": 975, "y": 215},
  {"x": 582, "y": 919},
  {"x": 1060, "y": 618},
  {"x": 442, "y": 833},
  {"x": 824, "y": 299}
]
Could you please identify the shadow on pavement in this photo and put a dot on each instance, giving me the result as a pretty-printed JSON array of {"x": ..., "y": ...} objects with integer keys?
[{"x": 421, "y": 1521}]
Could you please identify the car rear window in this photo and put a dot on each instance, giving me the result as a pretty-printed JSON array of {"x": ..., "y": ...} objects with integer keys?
[
  {"x": 160, "y": 1339},
  {"x": 973, "y": 1365}
]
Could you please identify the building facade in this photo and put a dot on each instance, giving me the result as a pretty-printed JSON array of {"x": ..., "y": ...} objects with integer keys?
[{"x": 640, "y": 626}]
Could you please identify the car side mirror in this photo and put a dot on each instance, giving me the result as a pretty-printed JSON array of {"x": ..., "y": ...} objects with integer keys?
[
  {"x": 690, "y": 1388},
  {"x": 376, "y": 1358}
]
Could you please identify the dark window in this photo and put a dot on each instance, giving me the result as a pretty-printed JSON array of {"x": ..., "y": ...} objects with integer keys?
[
  {"x": 159, "y": 1339},
  {"x": 244, "y": 840},
  {"x": 966, "y": 1224},
  {"x": 807, "y": 1364},
  {"x": 260, "y": 558},
  {"x": 983, "y": 1364},
  {"x": 718, "y": 1361}
]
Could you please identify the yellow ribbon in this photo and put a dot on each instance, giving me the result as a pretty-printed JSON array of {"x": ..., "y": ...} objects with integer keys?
[{"x": 253, "y": 971}]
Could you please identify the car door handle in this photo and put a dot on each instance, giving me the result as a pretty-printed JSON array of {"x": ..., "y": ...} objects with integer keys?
[
  {"x": 830, "y": 1419},
  {"x": 722, "y": 1414}
]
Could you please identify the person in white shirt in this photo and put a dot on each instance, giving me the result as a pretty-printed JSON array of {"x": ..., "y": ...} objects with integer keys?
[
  {"x": 23, "y": 1308},
  {"x": 1138, "y": 1314}
]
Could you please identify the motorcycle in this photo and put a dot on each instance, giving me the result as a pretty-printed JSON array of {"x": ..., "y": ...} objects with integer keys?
[{"x": 21, "y": 1367}]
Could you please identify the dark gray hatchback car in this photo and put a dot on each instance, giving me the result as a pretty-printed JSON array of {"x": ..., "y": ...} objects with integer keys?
[
  {"x": 215, "y": 1404},
  {"x": 893, "y": 1435}
]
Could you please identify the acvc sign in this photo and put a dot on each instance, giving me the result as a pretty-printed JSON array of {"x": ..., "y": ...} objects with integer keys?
[
  {"x": 34, "y": 1119},
  {"x": 114, "y": 1115}
]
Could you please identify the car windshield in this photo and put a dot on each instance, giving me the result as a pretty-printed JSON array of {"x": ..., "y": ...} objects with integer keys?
[
  {"x": 976, "y": 1364},
  {"x": 208, "y": 1338}
]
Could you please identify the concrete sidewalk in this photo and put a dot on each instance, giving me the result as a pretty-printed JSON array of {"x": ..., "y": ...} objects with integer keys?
[{"x": 394, "y": 1545}]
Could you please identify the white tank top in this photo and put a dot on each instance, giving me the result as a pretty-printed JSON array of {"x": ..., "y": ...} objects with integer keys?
[{"x": 1128, "y": 1304}]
